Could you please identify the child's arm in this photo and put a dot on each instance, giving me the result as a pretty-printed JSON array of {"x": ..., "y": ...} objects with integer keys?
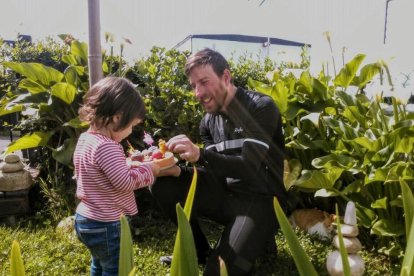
[{"x": 111, "y": 159}]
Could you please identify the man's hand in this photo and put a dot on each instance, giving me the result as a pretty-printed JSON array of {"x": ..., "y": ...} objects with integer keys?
[
  {"x": 155, "y": 168},
  {"x": 182, "y": 145},
  {"x": 173, "y": 171}
]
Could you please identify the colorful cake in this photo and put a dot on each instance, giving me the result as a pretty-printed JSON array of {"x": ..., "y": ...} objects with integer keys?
[{"x": 158, "y": 155}]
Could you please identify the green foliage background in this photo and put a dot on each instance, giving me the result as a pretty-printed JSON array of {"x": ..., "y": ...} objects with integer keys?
[{"x": 341, "y": 146}]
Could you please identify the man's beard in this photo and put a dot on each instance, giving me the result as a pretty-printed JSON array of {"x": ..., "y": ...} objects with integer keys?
[{"x": 220, "y": 104}]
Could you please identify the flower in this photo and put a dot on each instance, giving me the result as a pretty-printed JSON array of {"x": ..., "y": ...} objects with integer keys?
[{"x": 148, "y": 139}]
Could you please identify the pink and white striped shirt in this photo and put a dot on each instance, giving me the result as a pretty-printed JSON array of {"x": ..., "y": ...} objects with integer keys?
[{"x": 105, "y": 183}]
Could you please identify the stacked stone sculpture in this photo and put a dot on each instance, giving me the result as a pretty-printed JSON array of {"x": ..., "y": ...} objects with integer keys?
[
  {"x": 349, "y": 230},
  {"x": 13, "y": 176}
]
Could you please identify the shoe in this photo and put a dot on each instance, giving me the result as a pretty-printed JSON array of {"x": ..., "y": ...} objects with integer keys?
[{"x": 166, "y": 260}]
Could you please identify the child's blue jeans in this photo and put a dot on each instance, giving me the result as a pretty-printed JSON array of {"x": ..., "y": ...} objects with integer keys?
[{"x": 102, "y": 240}]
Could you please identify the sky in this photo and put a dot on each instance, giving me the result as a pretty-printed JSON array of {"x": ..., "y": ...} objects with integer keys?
[{"x": 355, "y": 26}]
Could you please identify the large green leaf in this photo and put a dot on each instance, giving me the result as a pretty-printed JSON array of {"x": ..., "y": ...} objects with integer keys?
[
  {"x": 365, "y": 215},
  {"x": 191, "y": 193},
  {"x": 294, "y": 110},
  {"x": 346, "y": 99},
  {"x": 16, "y": 262},
  {"x": 334, "y": 160},
  {"x": 280, "y": 96},
  {"x": 36, "y": 72},
  {"x": 278, "y": 92},
  {"x": 342, "y": 129},
  {"x": 407, "y": 266},
  {"x": 405, "y": 124},
  {"x": 405, "y": 145},
  {"x": 64, "y": 153},
  {"x": 294, "y": 170},
  {"x": 394, "y": 173},
  {"x": 77, "y": 123},
  {"x": 33, "y": 140},
  {"x": 32, "y": 86},
  {"x": 64, "y": 91},
  {"x": 306, "y": 81},
  {"x": 369, "y": 144},
  {"x": 380, "y": 203},
  {"x": 70, "y": 60},
  {"x": 184, "y": 256},
  {"x": 184, "y": 260},
  {"x": 72, "y": 76},
  {"x": 4, "y": 110},
  {"x": 342, "y": 249},
  {"x": 223, "y": 268},
  {"x": 354, "y": 115},
  {"x": 320, "y": 89},
  {"x": 347, "y": 73},
  {"x": 388, "y": 228},
  {"x": 316, "y": 180},
  {"x": 302, "y": 261},
  {"x": 80, "y": 49},
  {"x": 368, "y": 72},
  {"x": 126, "y": 253},
  {"x": 408, "y": 203},
  {"x": 354, "y": 187}
]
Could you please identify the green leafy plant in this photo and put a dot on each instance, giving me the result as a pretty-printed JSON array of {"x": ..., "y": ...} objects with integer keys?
[
  {"x": 16, "y": 262},
  {"x": 223, "y": 268},
  {"x": 346, "y": 146},
  {"x": 48, "y": 52},
  {"x": 344, "y": 254},
  {"x": 300, "y": 257},
  {"x": 48, "y": 100},
  {"x": 162, "y": 82},
  {"x": 126, "y": 254},
  {"x": 407, "y": 267},
  {"x": 184, "y": 260}
]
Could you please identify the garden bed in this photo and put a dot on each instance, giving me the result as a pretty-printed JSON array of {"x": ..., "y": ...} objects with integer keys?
[{"x": 48, "y": 252}]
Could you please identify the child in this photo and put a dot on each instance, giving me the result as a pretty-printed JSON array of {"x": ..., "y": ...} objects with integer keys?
[{"x": 105, "y": 183}]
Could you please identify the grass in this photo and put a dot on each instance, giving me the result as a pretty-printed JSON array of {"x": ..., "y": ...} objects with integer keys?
[{"x": 48, "y": 252}]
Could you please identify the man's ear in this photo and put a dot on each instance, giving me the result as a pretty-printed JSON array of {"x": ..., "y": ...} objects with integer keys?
[{"x": 227, "y": 76}]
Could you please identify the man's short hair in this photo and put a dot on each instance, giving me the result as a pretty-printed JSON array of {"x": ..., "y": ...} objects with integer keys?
[{"x": 207, "y": 57}]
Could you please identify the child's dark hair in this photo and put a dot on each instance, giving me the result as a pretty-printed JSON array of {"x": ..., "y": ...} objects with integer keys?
[{"x": 111, "y": 96}]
